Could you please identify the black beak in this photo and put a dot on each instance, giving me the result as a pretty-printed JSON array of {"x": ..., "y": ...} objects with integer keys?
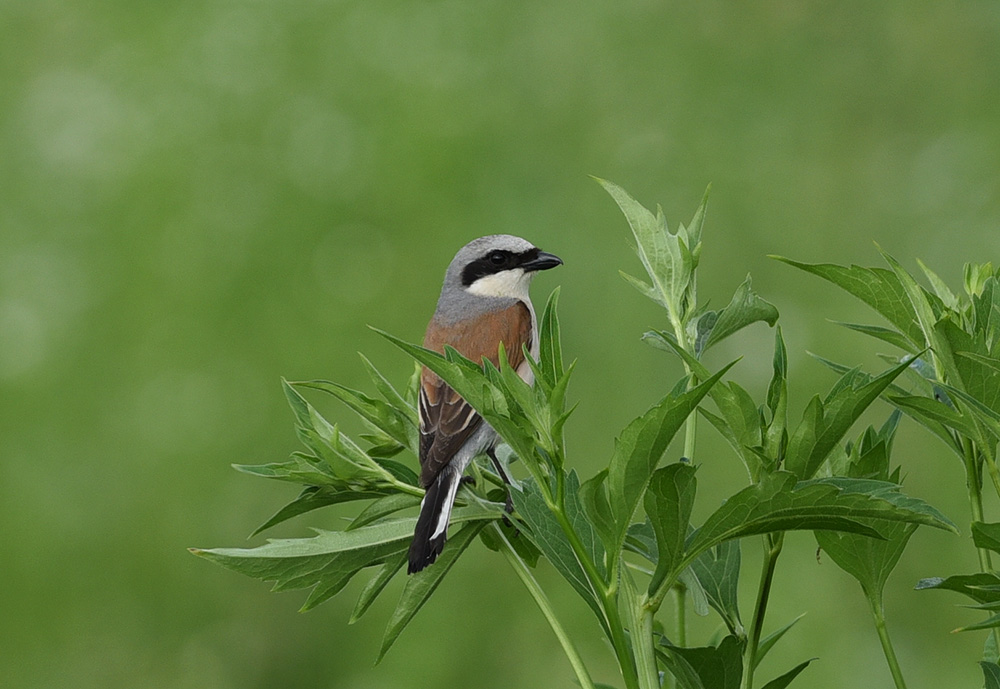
[{"x": 542, "y": 261}]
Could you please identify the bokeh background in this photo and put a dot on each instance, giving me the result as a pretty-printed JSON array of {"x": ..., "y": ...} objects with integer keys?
[{"x": 197, "y": 198}]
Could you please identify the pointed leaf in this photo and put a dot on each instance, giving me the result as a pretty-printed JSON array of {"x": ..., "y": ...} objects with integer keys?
[
  {"x": 641, "y": 445},
  {"x": 982, "y": 587},
  {"x": 383, "y": 575},
  {"x": 393, "y": 422},
  {"x": 991, "y": 674},
  {"x": 312, "y": 498},
  {"x": 986, "y": 535},
  {"x": 769, "y": 641},
  {"x": 718, "y": 667},
  {"x": 893, "y": 337},
  {"x": 718, "y": 572},
  {"x": 780, "y": 503},
  {"x": 669, "y": 500},
  {"x": 421, "y": 585},
  {"x": 745, "y": 308},
  {"x": 877, "y": 287},
  {"x": 786, "y": 679},
  {"x": 383, "y": 507},
  {"x": 824, "y": 424}
]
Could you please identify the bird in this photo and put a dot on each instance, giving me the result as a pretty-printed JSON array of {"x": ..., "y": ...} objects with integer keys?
[{"x": 484, "y": 302}]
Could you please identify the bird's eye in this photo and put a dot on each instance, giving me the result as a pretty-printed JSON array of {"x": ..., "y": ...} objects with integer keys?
[{"x": 498, "y": 258}]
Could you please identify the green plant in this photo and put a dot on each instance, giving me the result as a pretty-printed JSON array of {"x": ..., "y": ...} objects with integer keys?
[
  {"x": 623, "y": 539},
  {"x": 950, "y": 349}
]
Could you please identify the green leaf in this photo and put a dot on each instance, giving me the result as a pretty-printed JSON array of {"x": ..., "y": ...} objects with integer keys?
[
  {"x": 942, "y": 290},
  {"x": 893, "y": 337},
  {"x": 383, "y": 507},
  {"x": 670, "y": 258},
  {"x": 301, "y": 468},
  {"x": 745, "y": 308},
  {"x": 718, "y": 572},
  {"x": 716, "y": 667},
  {"x": 641, "y": 445},
  {"x": 383, "y": 575},
  {"x": 548, "y": 536},
  {"x": 991, "y": 674},
  {"x": 395, "y": 423},
  {"x": 926, "y": 317},
  {"x": 327, "y": 561},
  {"x": 877, "y": 287},
  {"x": 786, "y": 679},
  {"x": 389, "y": 392},
  {"x": 935, "y": 411},
  {"x": 982, "y": 587},
  {"x": 312, "y": 498},
  {"x": 669, "y": 500},
  {"x": 769, "y": 641},
  {"x": 986, "y": 535},
  {"x": 781, "y": 503},
  {"x": 550, "y": 356},
  {"x": 421, "y": 585},
  {"x": 825, "y": 423}
]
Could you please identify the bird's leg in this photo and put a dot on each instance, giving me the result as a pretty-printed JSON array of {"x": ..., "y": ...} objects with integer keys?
[{"x": 508, "y": 504}]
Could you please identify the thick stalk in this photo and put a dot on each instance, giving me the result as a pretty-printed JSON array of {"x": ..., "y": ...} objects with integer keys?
[
  {"x": 883, "y": 637},
  {"x": 524, "y": 574},
  {"x": 645, "y": 655},
  {"x": 773, "y": 543}
]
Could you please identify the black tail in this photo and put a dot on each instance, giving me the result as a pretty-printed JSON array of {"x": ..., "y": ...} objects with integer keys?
[{"x": 432, "y": 524}]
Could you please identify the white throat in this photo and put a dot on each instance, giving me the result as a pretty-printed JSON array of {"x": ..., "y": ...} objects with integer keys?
[{"x": 507, "y": 283}]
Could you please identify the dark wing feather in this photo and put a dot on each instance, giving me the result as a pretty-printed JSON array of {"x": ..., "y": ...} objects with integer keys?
[{"x": 446, "y": 420}]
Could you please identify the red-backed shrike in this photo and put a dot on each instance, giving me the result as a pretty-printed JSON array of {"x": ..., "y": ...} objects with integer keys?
[{"x": 484, "y": 301}]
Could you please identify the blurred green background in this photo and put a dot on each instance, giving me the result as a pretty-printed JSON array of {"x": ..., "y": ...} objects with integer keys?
[{"x": 197, "y": 198}]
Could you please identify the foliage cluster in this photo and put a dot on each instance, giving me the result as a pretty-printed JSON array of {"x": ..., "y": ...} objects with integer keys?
[{"x": 624, "y": 539}]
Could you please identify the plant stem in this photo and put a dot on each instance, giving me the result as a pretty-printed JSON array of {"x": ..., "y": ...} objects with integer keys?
[
  {"x": 522, "y": 571},
  {"x": 649, "y": 673},
  {"x": 973, "y": 480},
  {"x": 679, "y": 591},
  {"x": 773, "y": 543},
  {"x": 608, "y": 595},
  {"x": 883, "y": 636}
]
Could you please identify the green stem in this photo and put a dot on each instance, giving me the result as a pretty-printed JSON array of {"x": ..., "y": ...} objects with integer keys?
[
  {"x": 973, "y": 480},
  {"x": 649, "y": 673},
  {"x": 522, "y": 571},
  {"x": 883, "y": 637},
  {"x": 773, "y": 543},
  {"x": 608, "y": 595},
  {"x": 679, "y": 592}
]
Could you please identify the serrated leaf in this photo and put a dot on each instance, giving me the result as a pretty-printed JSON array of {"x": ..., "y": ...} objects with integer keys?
[
  {"x": 745, "y": 308},
  {"x": 374, "y": 587},
  {"x": 781, "y": 503},
  {"x": 718, "y": 572},
  {"x": 935, "y": 411},
  {"x": 395, "y": 423},
  {"x": 669, "y": 499},
  {"x": 786, "y": 679},
  {"x": 825, "y": 423},
  {"x": 421, "y": 585},
  {"x": 300, "y": 468},
  {"x": 926, "y": 317},
  {"x": 669, "y": 258},
  {"x": 641, "y": 445},
  {"x": 877, "y": 287}
]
